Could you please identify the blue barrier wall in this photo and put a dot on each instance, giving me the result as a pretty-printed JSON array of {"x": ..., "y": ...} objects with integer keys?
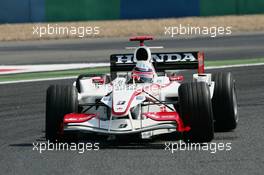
[
  {"x": 14, "y": 11},
  {"x": 136, "y": 9},
  {"x": 17, "y": 11},
  {"x": 37, "y": 10}
]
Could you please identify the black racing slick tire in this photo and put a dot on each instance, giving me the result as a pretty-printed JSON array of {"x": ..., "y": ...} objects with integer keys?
[
  {"x": 60, "y": 100},
  {"x": 224, "y": 102},
  {"x": 196, "y": 112}
]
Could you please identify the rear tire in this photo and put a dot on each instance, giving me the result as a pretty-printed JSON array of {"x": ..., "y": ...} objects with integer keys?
[
  {"x": 60, "y": 100},
  {"x": 196, "y": 111},
  {"x": 224, "y": 102}
]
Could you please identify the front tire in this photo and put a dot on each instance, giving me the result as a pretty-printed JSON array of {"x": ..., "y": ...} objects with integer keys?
[
  {"x": 224, "y": 102},
  {"x": 196, "y": 111},
  {"x": 60, "y": 100}
]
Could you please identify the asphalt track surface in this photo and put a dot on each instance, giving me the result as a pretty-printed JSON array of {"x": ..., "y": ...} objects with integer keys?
[
  {"x": 98, "y": 50},
  {"x": 22, "y": 123}
]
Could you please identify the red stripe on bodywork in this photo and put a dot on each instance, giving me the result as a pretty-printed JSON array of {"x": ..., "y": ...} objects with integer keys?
[
  {"x": 142, "y": 73},
  {"x": 200, "y": 62},
  {"x": 176, "y": 78},
  {"x": 77, "y": 118},
  {"x": 98, "y": 80},
  {"x": 168, "y": 116},
  {"x": 128, "y": 105}
]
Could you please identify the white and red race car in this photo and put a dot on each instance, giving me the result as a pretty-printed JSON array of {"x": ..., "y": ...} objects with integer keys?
[{"x": 142, "y": 96}]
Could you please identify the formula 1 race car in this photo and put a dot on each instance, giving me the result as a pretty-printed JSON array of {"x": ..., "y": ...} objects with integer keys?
[{"x": 145, "y": 95}]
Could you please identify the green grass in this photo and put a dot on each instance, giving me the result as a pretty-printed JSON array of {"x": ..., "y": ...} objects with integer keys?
[{"x": 69, "y": 73}]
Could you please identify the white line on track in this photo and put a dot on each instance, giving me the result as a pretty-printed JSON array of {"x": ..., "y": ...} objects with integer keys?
[
  {"x": 236, "y": 65},
  {"x": 72, "y": 77},
  {"x": 14, "y": 69}
]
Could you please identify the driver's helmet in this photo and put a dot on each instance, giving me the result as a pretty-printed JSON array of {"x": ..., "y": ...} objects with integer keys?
[{"x": 143, "y": 73}]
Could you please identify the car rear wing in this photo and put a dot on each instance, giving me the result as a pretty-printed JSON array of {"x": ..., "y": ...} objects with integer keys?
[{"x": 161, "y": 61}]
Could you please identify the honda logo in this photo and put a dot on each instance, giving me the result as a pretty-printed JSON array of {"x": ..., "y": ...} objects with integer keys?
[{"x": 171, "y": 57}]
